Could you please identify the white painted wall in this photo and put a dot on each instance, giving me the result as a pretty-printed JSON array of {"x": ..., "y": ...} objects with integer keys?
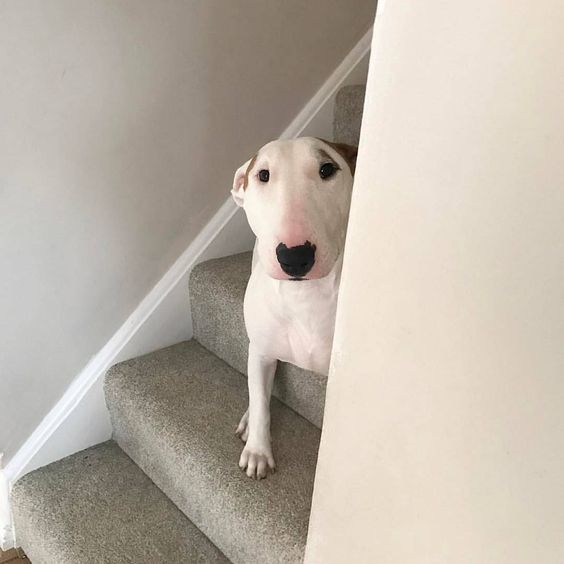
[
  {"x": 444, "y": 425},
  {"x": 120, "y": 126}
]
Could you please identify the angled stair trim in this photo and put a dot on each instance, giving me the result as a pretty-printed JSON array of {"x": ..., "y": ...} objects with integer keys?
[
  {"x": 6, "y": 530},
  {"x": 108, "y": 355},
  {"x": 329, "y": 87}
]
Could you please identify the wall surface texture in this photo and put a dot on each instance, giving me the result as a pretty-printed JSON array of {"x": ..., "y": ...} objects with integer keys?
[
  {"x": 444, "y": 426},
  {"x": 121, "y": 124}
]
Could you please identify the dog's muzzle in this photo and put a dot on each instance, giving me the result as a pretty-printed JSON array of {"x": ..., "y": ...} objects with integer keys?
[{"x": 296, "y": 261}]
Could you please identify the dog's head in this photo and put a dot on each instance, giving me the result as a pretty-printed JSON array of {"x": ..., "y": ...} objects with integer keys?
[{"x": 296, "y": 194}]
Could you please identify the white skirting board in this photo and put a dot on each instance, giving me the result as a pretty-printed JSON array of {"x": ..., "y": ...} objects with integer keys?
[{"x": 80, "y": 418}]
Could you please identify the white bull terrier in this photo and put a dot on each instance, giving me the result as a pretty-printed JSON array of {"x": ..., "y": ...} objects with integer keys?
[{"x": 296, "y": 195}]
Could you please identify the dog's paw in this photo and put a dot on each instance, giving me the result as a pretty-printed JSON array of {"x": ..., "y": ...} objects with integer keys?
[
  {"x": 242, "y": 430},
  {"x": 257, "y": 461}
]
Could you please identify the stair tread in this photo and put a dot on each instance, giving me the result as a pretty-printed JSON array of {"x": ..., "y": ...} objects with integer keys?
[
  {"x": 98, "y": 507},
  {"x": 175, "y": 411},
  {"x": 217, "y": 290}
]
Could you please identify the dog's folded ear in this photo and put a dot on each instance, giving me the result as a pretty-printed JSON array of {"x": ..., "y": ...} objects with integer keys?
[
  {"x": 240, "y": 181},
  {"x": 348, "y": 152}
]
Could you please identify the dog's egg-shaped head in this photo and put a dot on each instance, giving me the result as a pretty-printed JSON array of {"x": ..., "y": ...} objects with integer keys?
[{"x": 296, "y": 194}]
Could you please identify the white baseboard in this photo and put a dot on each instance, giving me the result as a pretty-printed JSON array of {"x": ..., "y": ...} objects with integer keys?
[
  {"x": 6, "y": 533},
  {"x": 80, "y": 418}
]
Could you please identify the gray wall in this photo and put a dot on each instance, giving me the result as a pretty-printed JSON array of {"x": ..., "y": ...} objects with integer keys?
[{"x": 120, "y": 126}]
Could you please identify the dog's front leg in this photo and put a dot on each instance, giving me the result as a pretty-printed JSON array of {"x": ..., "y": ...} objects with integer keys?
[{"x": 257, "y": 457}]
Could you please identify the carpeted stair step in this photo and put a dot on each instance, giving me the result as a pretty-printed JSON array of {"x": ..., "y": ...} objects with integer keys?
[
  {"x": 217, "y": 289},
  {"x": 98, "y": 507},
  {"x": 174, "y": 412},
  {"x": 347, "y": 116}
]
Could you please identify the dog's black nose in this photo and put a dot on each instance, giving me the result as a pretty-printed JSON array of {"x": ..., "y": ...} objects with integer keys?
[{"x": 296, "y": 261}]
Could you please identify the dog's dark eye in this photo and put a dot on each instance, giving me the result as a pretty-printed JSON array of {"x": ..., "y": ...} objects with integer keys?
[
  {"x": 327, "y": 170},
  {"x": 264, "y": 175}
]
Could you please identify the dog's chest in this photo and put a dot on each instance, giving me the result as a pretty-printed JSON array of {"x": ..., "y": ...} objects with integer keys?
[{"x": 292, "y": 321}]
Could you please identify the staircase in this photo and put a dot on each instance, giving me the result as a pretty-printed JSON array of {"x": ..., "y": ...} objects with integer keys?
[{"x": 167, "y": 488}]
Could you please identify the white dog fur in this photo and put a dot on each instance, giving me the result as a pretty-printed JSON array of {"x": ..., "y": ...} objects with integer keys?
[{"x": 299, "y": 206}]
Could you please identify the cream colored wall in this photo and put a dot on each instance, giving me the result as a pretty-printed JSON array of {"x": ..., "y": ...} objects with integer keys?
[
  {"x": 444, "y": 426},
  {"x": 120, "y": 126}
]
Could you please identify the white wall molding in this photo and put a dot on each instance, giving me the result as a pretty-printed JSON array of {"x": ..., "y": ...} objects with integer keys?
[
  {"x": 165, "y": 306},
  {"x": 6, "y": 531},
  {"x": 94, "y": 371},
  {"x": 107, "y": 356},
  {"x": 329, "y": 88}
]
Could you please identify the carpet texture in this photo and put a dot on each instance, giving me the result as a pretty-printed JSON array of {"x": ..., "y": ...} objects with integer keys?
[
  {"x": 347, "y": 117},
  {"x": 174, "y": 412},
  {"x": 97, "y": 507}
]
